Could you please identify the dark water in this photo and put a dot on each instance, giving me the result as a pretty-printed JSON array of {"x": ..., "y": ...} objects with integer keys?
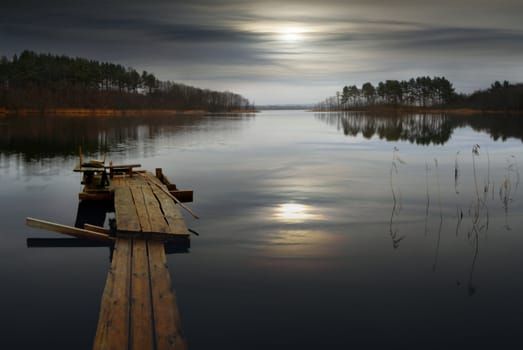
[{"x": 317, "y": 231}]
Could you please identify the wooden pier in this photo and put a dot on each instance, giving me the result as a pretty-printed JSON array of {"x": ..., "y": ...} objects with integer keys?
[{"x": 138, "y": 308}]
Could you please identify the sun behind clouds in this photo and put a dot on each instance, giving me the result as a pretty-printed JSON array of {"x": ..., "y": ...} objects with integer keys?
[{"x": 284, "y": 32}]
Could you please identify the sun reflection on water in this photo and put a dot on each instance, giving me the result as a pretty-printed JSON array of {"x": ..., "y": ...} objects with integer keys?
[
  {"x": 299, "y": 249},
  {"x": 295, "y": 213}
]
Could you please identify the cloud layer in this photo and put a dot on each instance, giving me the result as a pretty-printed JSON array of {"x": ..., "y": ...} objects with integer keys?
[{"x": 280, "y": 51}]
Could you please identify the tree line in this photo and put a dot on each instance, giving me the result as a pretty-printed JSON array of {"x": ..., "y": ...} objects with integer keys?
[
  {"x": 499, "y": 96},
  {"x": 40, "y": 81},
  {"x": 424, "y": 92}
]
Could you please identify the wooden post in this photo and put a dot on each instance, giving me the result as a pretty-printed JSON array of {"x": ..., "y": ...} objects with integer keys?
[{"x": 159, "y": 174}]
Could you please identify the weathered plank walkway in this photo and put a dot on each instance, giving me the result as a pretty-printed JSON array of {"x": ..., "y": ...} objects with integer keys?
[{"x": 138, "y": 309}]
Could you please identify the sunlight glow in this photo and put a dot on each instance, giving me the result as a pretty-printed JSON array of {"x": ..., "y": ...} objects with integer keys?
[
  {"x": 280, "y": 31},
  {"x": 291, "y": 34}
]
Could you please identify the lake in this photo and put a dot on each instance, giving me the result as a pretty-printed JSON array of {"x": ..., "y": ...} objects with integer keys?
[{"x": 317, "y": 231}]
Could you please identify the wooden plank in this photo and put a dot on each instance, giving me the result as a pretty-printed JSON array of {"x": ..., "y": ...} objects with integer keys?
[
  {"x": 171, "y": 213},
  {"x": 113, "y": 322},
  {"x": 125, "y": 211},
  {"x": 141, "y": 208},
  {"x": 141, "y": 328},
  {"x": 154, "y": 181},
  {"x": 131, "y": 181},
  {"x": 167, "y": 320},
  {"x": 150, "y": 177},
  {"x": 156, "y": 216},
  {"x": 95, "y": 228},
  {"x": 159, "y": 228},
  {"x": 68, "y": 230},
  {"x": 117, "y": 181}
]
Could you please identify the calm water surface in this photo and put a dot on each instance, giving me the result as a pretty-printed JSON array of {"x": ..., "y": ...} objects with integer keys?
[{"x": 317, "y": 231}]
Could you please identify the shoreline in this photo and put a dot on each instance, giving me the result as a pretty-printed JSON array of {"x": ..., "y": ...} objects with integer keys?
[{"x": 108, "y": 112}]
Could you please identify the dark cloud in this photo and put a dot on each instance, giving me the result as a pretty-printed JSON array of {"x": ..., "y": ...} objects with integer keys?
[{"x": 422, "y": 37}]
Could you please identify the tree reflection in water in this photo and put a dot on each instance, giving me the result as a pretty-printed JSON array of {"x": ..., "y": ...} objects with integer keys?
[{"x": 421, "y": 129}]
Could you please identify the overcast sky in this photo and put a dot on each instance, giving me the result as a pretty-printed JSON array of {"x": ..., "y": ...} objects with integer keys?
[{"x": 285, "y": 51}]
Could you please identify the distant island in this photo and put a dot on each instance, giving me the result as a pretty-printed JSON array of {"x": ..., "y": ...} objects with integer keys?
[
  {"x": 425, "y": 94},
  {"x": 57, "y": 84}
]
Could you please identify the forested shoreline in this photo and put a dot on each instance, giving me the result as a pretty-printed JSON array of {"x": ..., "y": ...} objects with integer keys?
[
  {"x": 33, "y": 81},
  {"x": 424, "y": 93}
]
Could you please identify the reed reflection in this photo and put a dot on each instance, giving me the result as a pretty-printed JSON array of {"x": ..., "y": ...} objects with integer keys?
[
  {"x": 472, "y": 199},
  {"x": 440, "y": 226},
  {"x": 507, "y": 190},
  {"x": 396, "y": 199}
]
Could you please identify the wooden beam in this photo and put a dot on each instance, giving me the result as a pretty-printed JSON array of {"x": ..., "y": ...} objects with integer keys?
[
  {"x": 95, "y": 228},
  {"x": 126, "y": 169},
  {"x": 67, "y": 230},
  {"x": 126, "y": 166}
]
